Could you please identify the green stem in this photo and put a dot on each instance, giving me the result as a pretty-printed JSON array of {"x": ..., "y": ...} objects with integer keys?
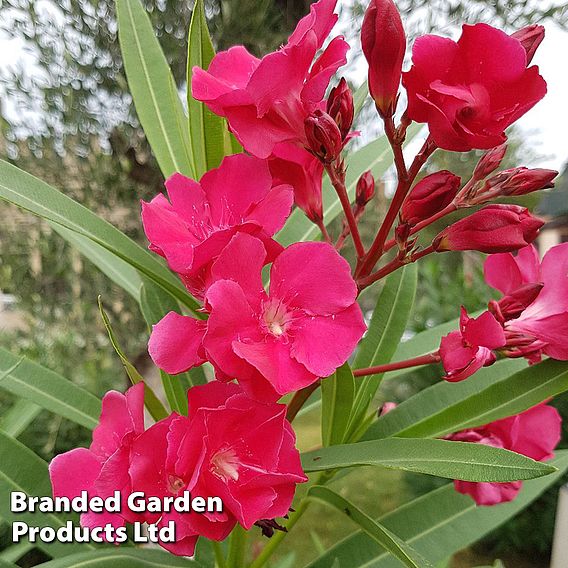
[
  {"x": 219, "y": 557},
  {"x": 279, "y": 536},
  {"x": 237, "y": 548}
]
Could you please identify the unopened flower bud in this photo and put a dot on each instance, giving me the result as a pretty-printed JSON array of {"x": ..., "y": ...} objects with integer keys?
[
  {"x": 323, "y": 136},
  {"x": 340, "y": 107},
  {"x": 530, "y": 37},
  {"x": 365, "y": 189},
  {"x": 513, "y": 304},
  {"x": 384, "y": 44},
  {"x": 495, "y": 228},
  {"x": 387, "y": 407},
  {"x": 520, "y": 181},
  {"x": 489, "y": 162},
  {"x": 429, "y": 196}
]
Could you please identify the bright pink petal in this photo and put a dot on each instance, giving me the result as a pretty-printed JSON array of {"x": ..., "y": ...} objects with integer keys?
[
  {"x": 273, "y": 360},
  {"x": 297, "y": 275},
  {"x": 187, "y": 198},
  {"x": 488, "y": 494},
  {"x": 325, "y": 67},
  {"x": 73, "y": 472},
  {"x": 273, "y": 210},
  {"x": 117, "y": 420},
  {"x": 234, "y": 187},
  {"x": 320, "y": 21},
  {"x": 324, "y": 343},
  {"x": 176, "y": 343},
  {"x": 485, "y": 331},
  {"x": 507, "y": 272},
  {"x": 231, "y": 319}
]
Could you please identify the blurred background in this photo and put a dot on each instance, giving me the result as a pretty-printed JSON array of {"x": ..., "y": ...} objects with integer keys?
[{"x": 66, "y": 117}]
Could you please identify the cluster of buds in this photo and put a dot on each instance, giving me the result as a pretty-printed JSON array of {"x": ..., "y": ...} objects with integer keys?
[{"x": 328, "y": 132}]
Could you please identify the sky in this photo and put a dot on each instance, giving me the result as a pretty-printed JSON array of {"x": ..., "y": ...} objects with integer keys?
[{"x": 546, "y": 124}]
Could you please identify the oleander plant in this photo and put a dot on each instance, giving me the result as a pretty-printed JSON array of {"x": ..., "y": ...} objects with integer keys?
[{"x": 254, "y": 315}]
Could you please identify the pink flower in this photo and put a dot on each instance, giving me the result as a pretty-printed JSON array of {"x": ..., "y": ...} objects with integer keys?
[
  {"x": 534, "y": 433},
  {"x": 430, "y": 196},
  {"x": 464, "y": 352},
  {"x": 543, "y": 325},
  {"x": 384, "y": 44},
  {"x": 469, "y": 92},
  {"x": 495, "y": 228},
  {"x": 277, "y": 342},
  {"x": 200, "y": 218},
  {"x": 229, "y": 446},
  {"x": 267, "y": 100},
  {"x": 291, "y": 165},
  {"x": 103, "y": 468}
]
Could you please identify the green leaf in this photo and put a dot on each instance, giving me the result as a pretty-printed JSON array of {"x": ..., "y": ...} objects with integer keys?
[
  {"x": 15, "y": 421},
  {"x": 360, "y": 96},
  {"x": 155, "y": 304},
  {"x": 387, "y": 539},
  {"x": 383, "y": 337},
  {"x": 151, "y": 401},
  {"x": 493, "y": 393},
  {"x": 14, "y": 552},
  {"x": 22, "y": 470},
  {"x": 153, "y": 89},
  {"x": 437, "y": 524},
  {"x": 123, "y": 558},
  {"x": 454, "y": 460},
  {"x": 208, "y": 131},
  {"x": 49, "y": 390},
  {"x": 112, "y": 266},
  {"x": 37, "y": 197},
  {"x": 338, "y": 392}
]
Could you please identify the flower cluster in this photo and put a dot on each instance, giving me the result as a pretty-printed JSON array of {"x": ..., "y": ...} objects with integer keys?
[
  {"x": 530, "y": 320},
  {"x": 276, "y": 321},
  {"x": 228, "y": 446}
]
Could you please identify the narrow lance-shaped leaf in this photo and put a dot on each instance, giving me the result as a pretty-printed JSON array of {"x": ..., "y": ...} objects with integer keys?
[
  {"x": 387, "y": 539},
  {"x": 430, "y": 524},
  {"x": 112, "y": 266},
  {"x": 208, "y": 131},
  {"x": 338, "y": 392},
  {"x": 151, "y": 401},
  {"x": 383, "y": 336},
  {"x": 16, "y": 420},
  {"x": 153, "y": 89},
  {"x": 453, "y": 460},
  {"x": 47, "y": 389},
  {"x": 493, "y": 393},
  {"x": 37, "y": 197}
]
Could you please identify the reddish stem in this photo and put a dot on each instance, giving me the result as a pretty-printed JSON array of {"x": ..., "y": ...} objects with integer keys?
[
  {"x": 323, "y": 229},
  {"x": 336, "y": 175},
  {"x": 393, "y": 265},
  {"x": 423, "y": 224},
  {"x": 405, "y": 181},
  {"x": 429, "y": 359}
]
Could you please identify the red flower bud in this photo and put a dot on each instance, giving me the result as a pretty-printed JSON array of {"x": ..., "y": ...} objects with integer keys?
[
  {"x": 495, "y": 228},
  {"x": 365, "y": 189},
  {"x": 323, "y": 135},
  {"x": 340, "y": 107},
  {"x": 516, "y": 181},
  {"x": 429, "y": 196},
  {"x": 514, "y": 304},
  {"x": 530, "y": 37},
  {"x": 489, "y": 162},
  {"x": 384, "y": 44}
]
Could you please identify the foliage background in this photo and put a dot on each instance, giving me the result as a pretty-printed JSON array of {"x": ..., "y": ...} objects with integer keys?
[{"x": 68, "y": 118}]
